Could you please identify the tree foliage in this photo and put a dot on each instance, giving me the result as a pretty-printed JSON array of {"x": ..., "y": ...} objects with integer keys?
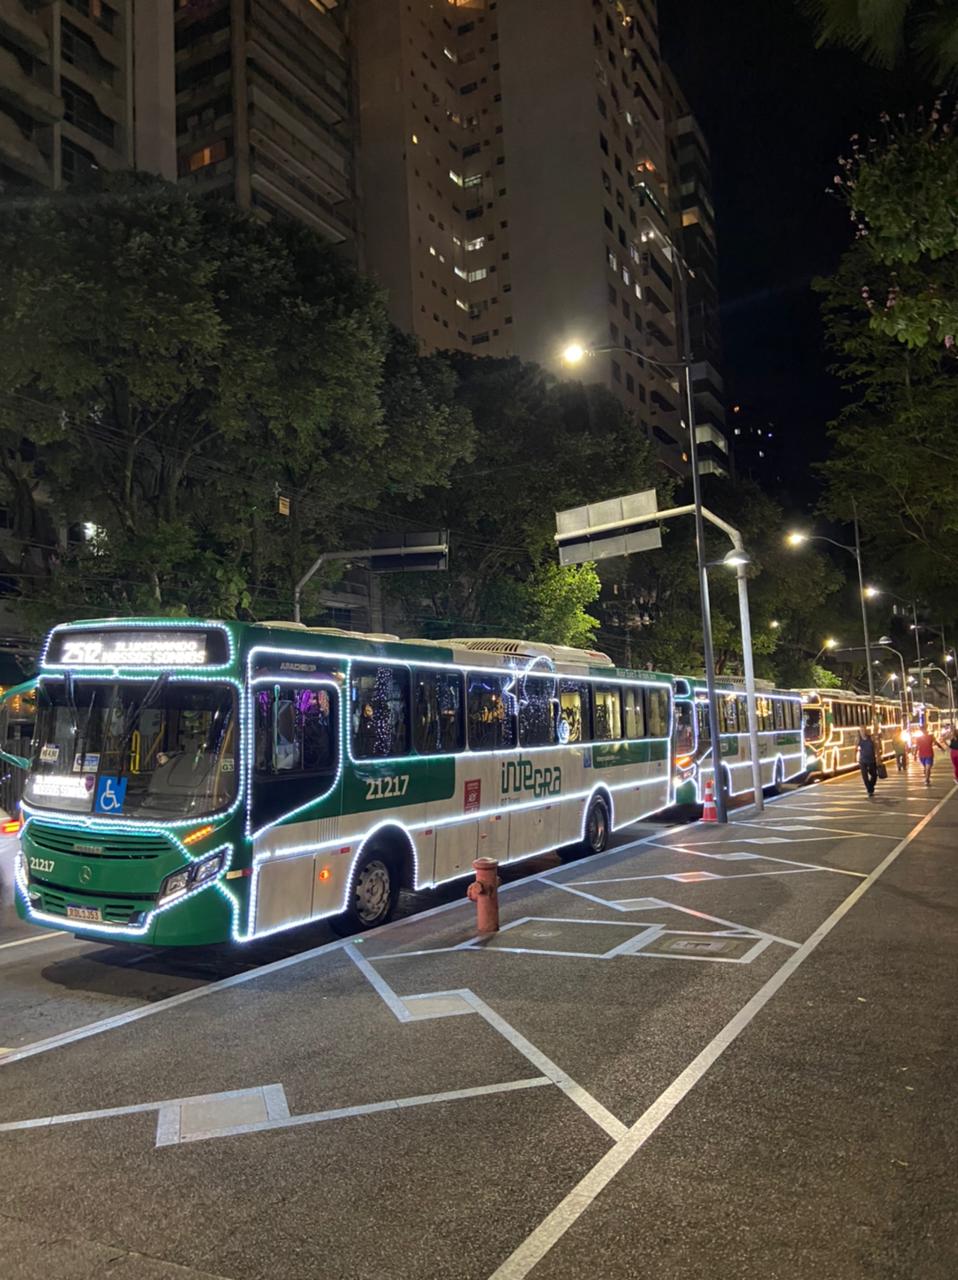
[
  {"x": 168, "y": 368},
  {"x": 901, "y": 189},
  {"x": 895, "y": 444},
  {"x": 883, "y": 31},
  {"x": 544, "y": 445}
]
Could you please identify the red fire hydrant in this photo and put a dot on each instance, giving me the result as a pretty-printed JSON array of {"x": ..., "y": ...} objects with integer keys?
[{"x": 484, "y": 892}]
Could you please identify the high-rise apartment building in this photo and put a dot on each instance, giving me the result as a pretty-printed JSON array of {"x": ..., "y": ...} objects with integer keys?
[
  {"x": 84, "y": 85},
  {"x": 263, "y": 108},
  {"x": 515, "y": 170},
  {"x": 690, "y": 188}
]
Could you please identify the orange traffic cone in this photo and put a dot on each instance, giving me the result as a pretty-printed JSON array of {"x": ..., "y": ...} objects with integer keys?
[{"x": 709, "y": 813}]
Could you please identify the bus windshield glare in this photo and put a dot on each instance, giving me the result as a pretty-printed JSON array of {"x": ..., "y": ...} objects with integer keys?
[{"x": 160, "y": 749}]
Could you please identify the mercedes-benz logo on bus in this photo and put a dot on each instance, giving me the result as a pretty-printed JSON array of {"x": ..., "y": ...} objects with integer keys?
[{"x": 86, "y": 875}]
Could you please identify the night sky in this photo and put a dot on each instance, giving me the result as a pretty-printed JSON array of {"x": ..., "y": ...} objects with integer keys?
[{"x": 776, "y": 112}]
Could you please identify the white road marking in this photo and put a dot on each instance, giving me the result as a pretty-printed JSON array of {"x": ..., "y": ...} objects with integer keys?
[
  {"x": 37, "y": 937},
  {"x": 250, "y": 975},
  {"x": 168, "y": 1131},
  {"x": 584, "y": 1100},
  {"x": 534, "y": 1248}
]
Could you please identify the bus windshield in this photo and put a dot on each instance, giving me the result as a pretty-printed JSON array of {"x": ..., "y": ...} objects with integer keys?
[
  {"x": 162, "y": 749},
  {"x": 813, "y": 722}
]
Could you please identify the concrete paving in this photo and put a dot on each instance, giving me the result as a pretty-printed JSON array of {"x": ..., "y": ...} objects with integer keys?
[{"x": 715, "y": 1052}]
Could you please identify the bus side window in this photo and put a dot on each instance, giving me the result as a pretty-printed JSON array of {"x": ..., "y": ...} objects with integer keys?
[
  {"x": 491, "y": 711},
  {"x": 657, "y": 713},
  {"x": 634, "y": 711},
  {"x": 778, "y": 711},
  {"x": 296, "y": 751},
  {"x": 573, "y": 710},
  {"x": 729, "y": 711},
  {"x": 295, "y": 730},
  {"x": 606, "y": 713},
  {"x": 439, "y": 724},
  {"x": 537, "y": 721},
  {"x": 379, "y": 711}
]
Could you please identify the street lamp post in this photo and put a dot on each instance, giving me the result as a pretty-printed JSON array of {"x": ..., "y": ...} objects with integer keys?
[
  {"x": 573, "y": 354},
  {"x": 796, "y": 540},
  {"x": 884, "y": 642}
]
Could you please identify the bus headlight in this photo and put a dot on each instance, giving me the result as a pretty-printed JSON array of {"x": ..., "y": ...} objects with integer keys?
[
  {"x": 191, "y": 877},
  {"x": 175, "y": 885},
  {"x": 207, "y": 869}
]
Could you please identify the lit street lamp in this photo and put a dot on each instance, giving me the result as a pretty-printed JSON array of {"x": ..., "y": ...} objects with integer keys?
[
  {"x": 797, "y": 539},
  {"x": 573, "y": 354},
  {"x": 828, "y": 645}
]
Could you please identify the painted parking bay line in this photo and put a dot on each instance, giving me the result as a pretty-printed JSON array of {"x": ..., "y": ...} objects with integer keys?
[{"x": 535, "y": 1247}]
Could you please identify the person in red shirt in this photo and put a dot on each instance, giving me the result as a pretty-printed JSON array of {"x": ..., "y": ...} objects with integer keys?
[{"x": 925, "y": 743}]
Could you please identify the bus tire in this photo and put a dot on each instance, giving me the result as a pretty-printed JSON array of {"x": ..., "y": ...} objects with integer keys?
[
  {"x": 373, "y": 893},
  {"x": 597, "y": 828}
]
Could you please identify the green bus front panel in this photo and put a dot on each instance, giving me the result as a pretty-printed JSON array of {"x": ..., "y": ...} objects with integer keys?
[{"x": 119, "y": 874}]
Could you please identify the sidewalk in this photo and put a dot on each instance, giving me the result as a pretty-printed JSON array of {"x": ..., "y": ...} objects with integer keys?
[{"x": 717, "y": 1052}]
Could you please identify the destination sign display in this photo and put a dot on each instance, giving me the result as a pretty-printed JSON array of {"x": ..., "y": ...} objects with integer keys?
[{"x": 129, "y": 647}]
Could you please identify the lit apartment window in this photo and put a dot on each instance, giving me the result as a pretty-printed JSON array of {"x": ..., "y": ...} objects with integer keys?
[
  {"x": 206, "y": 156},
  {"x": 415, "y": 138},
  {"x": 473, "y": 245},
  {"x": 464, "y": 306},
  {"x": 474, "y": 180},
  {"x": 456, "y": 177},
  {"x": 626, "y": 276},
  {"x": 432, "y": 250},
  {"x": 480, "y": 274},
  {"x": 613, "y": 261},
  {"x": 460, "y": 273},
  {"x": 450, "y": 55}
]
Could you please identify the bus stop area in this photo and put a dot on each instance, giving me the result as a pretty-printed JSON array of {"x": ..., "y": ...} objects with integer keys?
[{"x": 708, "y": 1052}]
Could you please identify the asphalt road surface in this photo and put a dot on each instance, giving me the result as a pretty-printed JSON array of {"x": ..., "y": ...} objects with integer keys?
[{"x": 711, "y": 1052}]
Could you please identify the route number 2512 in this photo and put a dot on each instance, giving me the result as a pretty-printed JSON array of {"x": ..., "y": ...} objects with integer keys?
[{"x": 387, "y": 788}]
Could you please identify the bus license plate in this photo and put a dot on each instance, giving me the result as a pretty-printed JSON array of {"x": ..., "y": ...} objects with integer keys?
[{"x": 84, "y": 913}]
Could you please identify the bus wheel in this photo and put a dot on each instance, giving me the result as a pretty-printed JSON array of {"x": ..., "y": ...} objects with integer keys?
[
  {"x": 374, "y": 894},
  {"x": 597, "y": 827}
]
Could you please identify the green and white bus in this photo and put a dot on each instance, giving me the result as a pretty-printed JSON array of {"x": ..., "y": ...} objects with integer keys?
[
  {"x": 780, "y": 745},
  {"x": 192, "y": 782}
]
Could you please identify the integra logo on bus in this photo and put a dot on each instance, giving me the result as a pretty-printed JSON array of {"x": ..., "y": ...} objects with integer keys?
[{"x": 522, "y": 775}]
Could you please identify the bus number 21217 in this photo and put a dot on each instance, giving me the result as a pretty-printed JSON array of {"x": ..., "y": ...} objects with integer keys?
[{"x": 387, "y": 788}]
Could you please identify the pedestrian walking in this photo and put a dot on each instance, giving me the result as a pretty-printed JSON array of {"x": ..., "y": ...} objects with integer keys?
[
  {"x": 953, "y": 748},
  {"x": 901, "y": 744},
  {"x": 868, "y": 760},
  {"x": 925, "y": 743}
]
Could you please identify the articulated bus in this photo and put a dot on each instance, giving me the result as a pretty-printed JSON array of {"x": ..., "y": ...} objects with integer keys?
[
  {"x": 197, "y": 782},
  {"x": 832, "y": 720},
  {"x": 781, "y": 752}
]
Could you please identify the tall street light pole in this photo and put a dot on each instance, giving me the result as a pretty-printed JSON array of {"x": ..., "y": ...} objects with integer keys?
[
  {"x": 796, "y": 540},
  {"x": 573, "y": 353},
  {"x": 884, "y": 642}
]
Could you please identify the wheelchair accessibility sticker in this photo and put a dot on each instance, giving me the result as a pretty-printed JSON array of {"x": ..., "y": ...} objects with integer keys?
[{"x": 110, "y": 794}]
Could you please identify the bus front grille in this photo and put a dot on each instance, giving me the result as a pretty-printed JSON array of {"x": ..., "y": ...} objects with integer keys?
[{"x": 62, "y": 840}]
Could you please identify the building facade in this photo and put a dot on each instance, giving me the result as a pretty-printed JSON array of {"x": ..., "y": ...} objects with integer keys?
[
  {"x": 85, "y": 85},
  {"x": 264, "y": 108},
  {"x": 693, "y": 220},
  {"x": 515, "y": 166}
]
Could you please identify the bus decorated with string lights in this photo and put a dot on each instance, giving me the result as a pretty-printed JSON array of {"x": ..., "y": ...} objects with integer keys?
[
  {"x": 193, "y": 782},
  {"x": 833, "y": 720},
  {"x": 780, "y": 748}
]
